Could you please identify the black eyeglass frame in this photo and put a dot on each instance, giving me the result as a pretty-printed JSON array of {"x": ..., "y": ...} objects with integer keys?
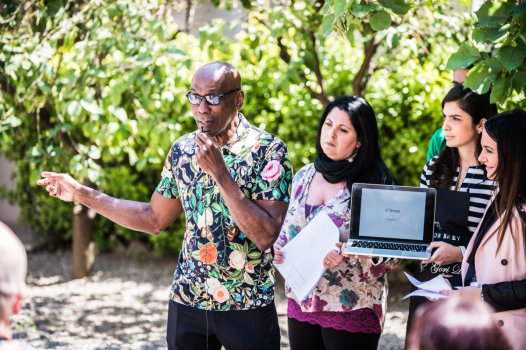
[{"x": 210, "y": 99}]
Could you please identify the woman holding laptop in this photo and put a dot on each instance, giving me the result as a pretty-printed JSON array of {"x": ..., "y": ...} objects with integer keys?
[
  {"x": 463, "y": 189},
  {"x": 347, "y": 306},
  {"x": 494, "y": 266}
]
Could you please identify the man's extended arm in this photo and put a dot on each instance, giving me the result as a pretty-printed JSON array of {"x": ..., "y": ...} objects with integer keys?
[{"x": 152, "y": 217}]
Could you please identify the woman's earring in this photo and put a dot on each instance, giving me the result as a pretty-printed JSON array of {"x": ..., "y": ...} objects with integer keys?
[{"x": 351, "y": 158}]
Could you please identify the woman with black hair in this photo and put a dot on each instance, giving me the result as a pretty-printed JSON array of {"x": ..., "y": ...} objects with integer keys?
[
  {"x": 463, "y": 189},
  {"x": 347, "y": 306},
  {"x": 494, "y": 266}
]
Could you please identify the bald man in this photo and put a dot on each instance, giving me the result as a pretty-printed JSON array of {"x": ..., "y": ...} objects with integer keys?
[
  {"x": 13, "y": 268},
  {"x": 232, "y": 181}
]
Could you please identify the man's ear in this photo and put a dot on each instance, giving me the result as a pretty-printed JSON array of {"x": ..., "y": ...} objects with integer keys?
[
  {"x": 240, "y": 99},
  {"x": 481, "y": 124}
]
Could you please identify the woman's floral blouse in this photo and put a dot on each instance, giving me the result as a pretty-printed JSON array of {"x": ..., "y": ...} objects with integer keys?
[{"x": 355, "y": 283}]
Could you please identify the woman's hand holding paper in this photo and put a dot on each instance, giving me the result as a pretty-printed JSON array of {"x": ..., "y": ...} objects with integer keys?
[{"x": 333, "y": 258}]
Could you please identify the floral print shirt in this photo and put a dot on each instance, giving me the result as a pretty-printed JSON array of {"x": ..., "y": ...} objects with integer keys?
[
  {"x": 219, "y": 268},
  {"x": 355, "y": 283}
]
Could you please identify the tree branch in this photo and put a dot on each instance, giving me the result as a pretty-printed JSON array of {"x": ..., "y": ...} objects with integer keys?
[
  {"x": 285, "y": 56},
  {"x": 359, "y": 83},
  {"x": 324, "y": 98}
]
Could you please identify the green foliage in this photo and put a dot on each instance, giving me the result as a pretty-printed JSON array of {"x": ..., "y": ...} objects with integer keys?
[
  {"x": 348, "y": 16},
  {"x": 498, "y": 50},
  {"x": 97, "y": 90},
  {"x": 404, "y": 81}
]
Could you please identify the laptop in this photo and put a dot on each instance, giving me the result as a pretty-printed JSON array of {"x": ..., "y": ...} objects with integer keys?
[{"x": 391, "y": 221}]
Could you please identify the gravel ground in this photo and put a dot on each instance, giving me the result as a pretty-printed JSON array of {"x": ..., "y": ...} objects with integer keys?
[{"x": 123, "y": 305}]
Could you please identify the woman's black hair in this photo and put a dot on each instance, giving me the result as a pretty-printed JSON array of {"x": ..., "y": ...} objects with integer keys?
[
  {"x": 367, "y": 165},
  {"x": 478, "y": 107},
  {"x": 507, "y": 130}
]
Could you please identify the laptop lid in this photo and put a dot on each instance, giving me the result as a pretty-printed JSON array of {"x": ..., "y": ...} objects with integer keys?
[{"x": 392, "y": 213}]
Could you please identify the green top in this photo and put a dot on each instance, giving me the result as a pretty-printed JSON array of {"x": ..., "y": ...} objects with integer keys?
[{"x": 436, "y": 144}]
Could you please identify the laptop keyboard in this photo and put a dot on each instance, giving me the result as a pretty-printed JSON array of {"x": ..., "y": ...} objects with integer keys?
[{"x": 389, "y": 245}]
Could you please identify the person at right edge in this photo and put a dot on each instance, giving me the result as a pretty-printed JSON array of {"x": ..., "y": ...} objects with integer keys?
[
  {"x": 494, "y": 267},
  {"x": 463, "y": 189}
]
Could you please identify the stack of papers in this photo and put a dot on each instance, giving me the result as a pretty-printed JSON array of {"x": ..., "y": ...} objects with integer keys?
[
  {"x": 302, "y": 265},
  {"x": 430, "y": 289}
]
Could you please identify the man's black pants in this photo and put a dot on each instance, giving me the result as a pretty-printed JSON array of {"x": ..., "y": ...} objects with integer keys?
[{"x": 194, "y": 329}]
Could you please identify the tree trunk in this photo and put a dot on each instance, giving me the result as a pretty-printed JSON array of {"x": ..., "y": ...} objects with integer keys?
[{"x": 83, "y": 246}]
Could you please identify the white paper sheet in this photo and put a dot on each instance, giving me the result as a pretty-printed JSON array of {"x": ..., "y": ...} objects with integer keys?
[
  {"x": 302, "y": 265},
  {"x": 428, "y": 289}
]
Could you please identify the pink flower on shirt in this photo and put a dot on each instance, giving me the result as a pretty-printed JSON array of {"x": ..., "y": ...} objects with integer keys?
[{"x": 272, "y": 171}]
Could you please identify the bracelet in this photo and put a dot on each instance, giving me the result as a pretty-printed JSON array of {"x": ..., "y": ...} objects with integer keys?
[{"x": 481, "y": 294}]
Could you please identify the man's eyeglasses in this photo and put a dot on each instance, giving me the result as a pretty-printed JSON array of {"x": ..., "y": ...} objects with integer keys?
[{"x": 212, "y": 99}]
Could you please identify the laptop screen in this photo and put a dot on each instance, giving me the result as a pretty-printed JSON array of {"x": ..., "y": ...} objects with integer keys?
[{"x": 397, "y": 213}]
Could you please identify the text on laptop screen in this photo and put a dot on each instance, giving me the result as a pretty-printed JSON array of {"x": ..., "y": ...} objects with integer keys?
[{"x": 400, "y": 214}]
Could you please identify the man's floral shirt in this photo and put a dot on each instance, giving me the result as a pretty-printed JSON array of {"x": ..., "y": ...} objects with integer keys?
[{"x": 219, "y": 268}]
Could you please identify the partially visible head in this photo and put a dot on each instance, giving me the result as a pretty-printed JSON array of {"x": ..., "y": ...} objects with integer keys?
[
  {"x": 348, "y": 128},
  {"x": 465, "y": 113},
  {"x": 211, "y": 79},
  {"x": 504, "y": 148},
  {"x": 456, "y": 323},
  {"x": 13, "y": 268},
  {"x": 459, "y": 76}
]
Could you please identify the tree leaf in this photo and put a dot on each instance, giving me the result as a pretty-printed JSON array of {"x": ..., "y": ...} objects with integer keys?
[
  {"x": 511, "y": 57},
  {"x": 361, "y": 10},
  {"x": 397, "y": 6},
  {"x": 501, "y": 89},
  {"x": 339, "y": 7},
  {"x": 380, "y": 20},
  {"x": 74, "y": 109},
  {"x": 326, "y": 24},
  {"x": 519, "y": 9},
  {"x": 466, "y": 55},
  {"x": 119, "y": 113},
  {"x": 489, "y": 35},
  {"x": 309, "y": 60},
  {"x": 394, "y": 40},
  {"x": 480, "y": 77},
  {"x": 519, "y": 81},
  {"x": 91, "y": 107},
  {"x": 494, "y": 14}
]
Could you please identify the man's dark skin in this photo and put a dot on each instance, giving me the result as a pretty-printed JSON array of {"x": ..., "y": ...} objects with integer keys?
[{"x": 259, "y": 220}]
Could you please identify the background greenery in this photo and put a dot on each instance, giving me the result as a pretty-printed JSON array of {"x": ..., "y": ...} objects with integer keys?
[{"x": 96, "y": 88}]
